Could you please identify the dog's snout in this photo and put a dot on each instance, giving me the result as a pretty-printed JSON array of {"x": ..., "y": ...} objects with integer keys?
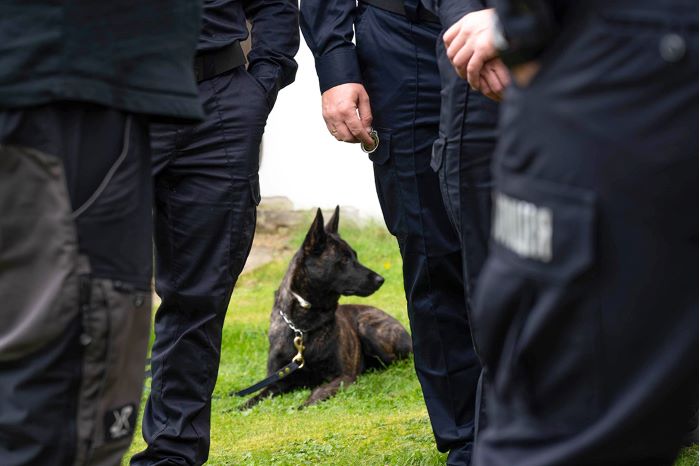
[{"x": 378, "y": 280}]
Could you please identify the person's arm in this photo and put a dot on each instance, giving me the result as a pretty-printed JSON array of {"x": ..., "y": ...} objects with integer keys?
[
  {"x": 274, "y": 43},
  {"x": 526, "y": 27},
  {"x": 451, "y": 11},
  {"x": 327, "y": 26}
]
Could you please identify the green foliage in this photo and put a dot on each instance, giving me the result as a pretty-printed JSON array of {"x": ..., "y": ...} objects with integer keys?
[{"x": 380, "y": 420}]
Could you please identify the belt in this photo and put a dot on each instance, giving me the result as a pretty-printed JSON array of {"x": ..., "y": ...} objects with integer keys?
[
  {"x": 397, "y": 6},
  {"x": 212, "y": 63}
]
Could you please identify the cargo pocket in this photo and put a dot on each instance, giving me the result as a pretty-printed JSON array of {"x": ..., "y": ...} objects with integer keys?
[
  {"x": 243, "y": 229},
  {"x": 387, "y": 184},
  {"x": 39, "y": 263},
  {"x": 116, "y": 327},
  {"x": 537, "y": 311},
  {"x": 437, "y": 162}
]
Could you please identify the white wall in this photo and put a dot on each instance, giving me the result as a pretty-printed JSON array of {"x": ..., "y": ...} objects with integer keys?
[{"x": 303, "y": 162}]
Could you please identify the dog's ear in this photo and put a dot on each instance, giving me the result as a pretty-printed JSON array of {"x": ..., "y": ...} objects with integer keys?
[
  {"x": 315, "y": 239},
  {"x": 332, "y": 225}
]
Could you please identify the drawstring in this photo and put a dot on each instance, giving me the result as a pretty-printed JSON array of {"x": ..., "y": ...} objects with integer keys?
[{"x": 110, "y": 174}]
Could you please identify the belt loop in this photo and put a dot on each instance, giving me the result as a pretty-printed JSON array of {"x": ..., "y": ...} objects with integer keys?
[{"x": 411, "y": 8}]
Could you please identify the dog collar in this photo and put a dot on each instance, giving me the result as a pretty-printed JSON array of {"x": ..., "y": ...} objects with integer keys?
[{"x": 302, "y": 302}]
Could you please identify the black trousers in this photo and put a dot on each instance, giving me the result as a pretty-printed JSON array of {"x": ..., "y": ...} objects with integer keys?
[
  {"x": 399, "y": 70},
  {"x": 586, "y": 313},
  {"x": 462, "y": 156},
  {"x": 206, "y": 189},
  {"x": 75, "y": 268}
]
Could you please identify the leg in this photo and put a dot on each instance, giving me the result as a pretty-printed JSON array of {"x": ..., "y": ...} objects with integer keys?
[
  {"x": 328, "y": 390},
  {"x": 74, "y": 337},
  {"x": 393, "y": 50},
  {"x": 206, "y": 198},
  {"x": 383, "y": 339},
  {"x": 462, "y": 157}
]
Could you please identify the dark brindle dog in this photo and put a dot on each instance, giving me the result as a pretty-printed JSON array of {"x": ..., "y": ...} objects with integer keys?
[{"x": 341, "y": 341}]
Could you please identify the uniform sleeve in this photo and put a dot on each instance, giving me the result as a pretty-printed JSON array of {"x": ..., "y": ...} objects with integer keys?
[
  {"x": 528, "y": 26},
  {"x": 451, "y": 11},
  {"x": 328, "y": 29},
  {"x": 274, "y": 42}
]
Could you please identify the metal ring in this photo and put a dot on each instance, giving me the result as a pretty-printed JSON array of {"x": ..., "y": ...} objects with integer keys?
[{"x": 375, "y": 137}]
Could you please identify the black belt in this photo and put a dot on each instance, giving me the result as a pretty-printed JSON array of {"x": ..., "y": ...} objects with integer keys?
[
  {"x": 397, "y": 6},
  {"x": 210, "y": 64}
]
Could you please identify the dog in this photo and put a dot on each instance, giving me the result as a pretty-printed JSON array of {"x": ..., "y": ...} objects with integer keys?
[{"x": 340, "y": 341}]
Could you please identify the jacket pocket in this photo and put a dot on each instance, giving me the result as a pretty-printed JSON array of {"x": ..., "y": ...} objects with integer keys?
[{"x": 537, "y": 311}]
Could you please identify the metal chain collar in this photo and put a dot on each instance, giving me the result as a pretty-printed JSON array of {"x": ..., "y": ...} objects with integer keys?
[{"x": 297, "y": 331}]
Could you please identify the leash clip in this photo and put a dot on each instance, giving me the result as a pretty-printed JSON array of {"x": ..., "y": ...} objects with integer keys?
[{"x": 299, "y": 345}]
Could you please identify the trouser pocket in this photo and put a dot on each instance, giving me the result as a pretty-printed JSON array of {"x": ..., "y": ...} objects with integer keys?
[
  {"x": 388, "y": 189},
  {"x": 116, "y": 325}
]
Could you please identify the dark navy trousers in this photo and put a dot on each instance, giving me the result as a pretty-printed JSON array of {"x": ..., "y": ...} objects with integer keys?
[
  {"x": 586, "y": 311},
  {"x": 206, "y": 193},
  {"x": 462, "y": 157},
  {"x": 399, "y": 71}
]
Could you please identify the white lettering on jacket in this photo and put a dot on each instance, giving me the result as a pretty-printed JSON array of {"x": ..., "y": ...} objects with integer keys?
[{"x": 523, "y": 227}]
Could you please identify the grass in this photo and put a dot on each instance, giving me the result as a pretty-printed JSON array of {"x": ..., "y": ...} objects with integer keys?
[{"x": 380, "y": 420}]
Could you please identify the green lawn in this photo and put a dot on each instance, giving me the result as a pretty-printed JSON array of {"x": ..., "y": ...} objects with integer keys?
[{"x": 380, "y": 420}]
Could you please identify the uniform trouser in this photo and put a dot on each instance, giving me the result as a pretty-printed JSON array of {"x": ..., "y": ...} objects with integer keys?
[
  {"x": 75, "y": 271},
  {"x": 206, "y": 188},
  {"x": 462, "y": 157},
  {"x": 586, "y": 312},
  {"x": 400, "y": 73}
]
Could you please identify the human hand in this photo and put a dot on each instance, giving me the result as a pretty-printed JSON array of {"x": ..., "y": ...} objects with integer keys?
[
  {"x": 523, "y": 73},
  {"x": 347, "y": 113},
  {"x": 469, "y": 44},
  {"x": 493, "y": 79}
]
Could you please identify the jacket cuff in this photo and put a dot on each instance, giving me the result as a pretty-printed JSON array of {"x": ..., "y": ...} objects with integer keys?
[
  {"x": 338, "y": 67},
  {"x": 451, "y": 11}
]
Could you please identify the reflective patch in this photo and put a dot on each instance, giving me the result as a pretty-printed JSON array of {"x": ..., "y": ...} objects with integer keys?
[
  {"x": 119, "y": 422},
  {"x": 523, "y": 228}
]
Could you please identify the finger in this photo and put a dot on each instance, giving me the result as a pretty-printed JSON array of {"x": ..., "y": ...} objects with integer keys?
[
  {"x": 344, "y": 133},
  {"x": 502, "y": 72},
  {"x": 484, "y": 87},
  {"x": 365, "y": 112},
  {"x": 492, "y": 80},
  {"x": 358, "y": 131},
  {"x": 457, "y": 44},
  {"x": 461, "y": 72},
  {"x": 463, "y": 57},
  {"x": 450, "y": 34},
  {"x": 488, "y": 91},
  {"x": 331, "y": 128},
  {"x": 474, "y": 69}
]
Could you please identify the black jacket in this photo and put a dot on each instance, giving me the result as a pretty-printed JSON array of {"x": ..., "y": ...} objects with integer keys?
[
  {"x": 132, "y": 55},
  {"x": 275, "y": 36}
]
